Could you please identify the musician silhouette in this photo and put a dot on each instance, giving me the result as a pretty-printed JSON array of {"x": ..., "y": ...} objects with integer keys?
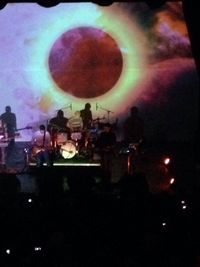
[
  {"x": 106, "y": 144},
  {"x": 86, "y": 115},
  {"x": 134, "y": 135},
  {"x": 57, "y": 125},
  {"x": 9, "y": 123},
  {"x": 41, "y": 145},
  {"x": 133, "y": 127},
  {"x": 75, "y": 123}
]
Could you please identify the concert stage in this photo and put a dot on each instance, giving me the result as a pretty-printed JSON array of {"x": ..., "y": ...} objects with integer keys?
[
  {"x": 70, "y": 168},
  {"x": 76, "y": 161},
  {"x": 70, "y": 164},
  {"x": 149, "y": 162},
  {"x": 19, "y": 162}
]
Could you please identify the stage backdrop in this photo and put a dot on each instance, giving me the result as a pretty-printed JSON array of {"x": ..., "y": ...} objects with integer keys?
[{"x": 114, "y": 57}]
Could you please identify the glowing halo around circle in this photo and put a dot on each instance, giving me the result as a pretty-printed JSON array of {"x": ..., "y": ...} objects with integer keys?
[{"x": 113, "y": 21}]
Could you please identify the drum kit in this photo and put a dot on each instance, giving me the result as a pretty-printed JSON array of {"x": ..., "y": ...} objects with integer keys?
[
  {"x": 81, "y": 143},
  {"x": 68, "y": 148}
]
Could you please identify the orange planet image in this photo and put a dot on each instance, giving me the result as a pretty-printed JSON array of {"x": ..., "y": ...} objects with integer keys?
[{"x": 85, "y": 62}]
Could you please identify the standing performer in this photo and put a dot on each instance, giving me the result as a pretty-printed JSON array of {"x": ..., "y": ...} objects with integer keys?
[
  {"x": 133, "y": 127},
  {"x": 86, "y": 115},
  {"x": 8, "y": 126},
  {"x": 9, "y": 123},
  {"x": 106, "y": 144},
  {"x": 133, "y": 135},
  {"x": 1, "y": 129}
]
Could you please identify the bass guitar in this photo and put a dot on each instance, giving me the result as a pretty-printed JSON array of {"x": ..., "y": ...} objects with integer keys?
[
  {"x": 24, "y": 128},
  {"x": 37, "y": 149}
]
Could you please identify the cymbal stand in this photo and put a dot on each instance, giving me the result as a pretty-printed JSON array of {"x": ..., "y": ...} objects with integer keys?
[
  {"x": 107, "y": 110},
  {"x": 68, "y": 106}
]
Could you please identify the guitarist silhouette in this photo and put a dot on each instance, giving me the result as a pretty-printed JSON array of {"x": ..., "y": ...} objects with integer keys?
[{"x": 9, "y": 122}]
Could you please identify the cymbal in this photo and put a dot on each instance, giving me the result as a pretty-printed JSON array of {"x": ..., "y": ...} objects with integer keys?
[{"x": 99, "y": 119}]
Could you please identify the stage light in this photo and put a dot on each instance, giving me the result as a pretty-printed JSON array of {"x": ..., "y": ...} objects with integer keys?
[
  {"x": 37, "y": 248},
  {"x": 183, "y": 202},
  {"x": 172, "y": 180},
  {"x": 164, "y": 224},
  {"x": 184, "y": 207},
  {"x": 30, "y": 200},
  {"x": 166, "y": 160},
  {"x": 8, "y": 251},
  {"x": 26, "y": 150}
]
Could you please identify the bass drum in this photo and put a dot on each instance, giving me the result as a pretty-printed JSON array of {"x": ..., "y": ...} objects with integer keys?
[{"x": 68, "y": 150}]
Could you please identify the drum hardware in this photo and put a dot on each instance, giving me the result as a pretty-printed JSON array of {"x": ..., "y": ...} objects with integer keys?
[
  {"x": 124, "y": 150},
  {"x": 61, "y": 138},
  {"x": 135, "y": 146},
  {"x": 76, "y": 136},
  {"x": 85, "y": 153},
  {"x": 132, "y": 152},
  {"x": 27, "y": 156},
  {"x": 99, "y": 119},
  {"x": 131, "y": 148},
  {"x": 107, "y": 110}
]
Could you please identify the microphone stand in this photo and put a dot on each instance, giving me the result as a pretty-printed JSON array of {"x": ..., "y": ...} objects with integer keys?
[
  {"x": 107, "y": 110},
  {"x": 69, "y": 106}
]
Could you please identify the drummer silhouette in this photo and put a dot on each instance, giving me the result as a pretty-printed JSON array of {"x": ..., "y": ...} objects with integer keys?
[
  {"x": 58, "y": 129},
  {"x": 75, "y": 123}
]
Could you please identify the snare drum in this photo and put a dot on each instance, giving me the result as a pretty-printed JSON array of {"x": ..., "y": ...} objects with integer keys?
[
  {"x": 68, "y": 150},
  {"x": 61, "y": 138}
]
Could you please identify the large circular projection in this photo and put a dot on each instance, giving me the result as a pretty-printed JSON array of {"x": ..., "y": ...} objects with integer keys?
[{"x": 85, "y": 62}]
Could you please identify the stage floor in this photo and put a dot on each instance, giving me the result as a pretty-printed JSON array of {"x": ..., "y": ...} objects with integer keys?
[
  {"x": 149, "y": 162},
  {"x": 76, "y": 161}
]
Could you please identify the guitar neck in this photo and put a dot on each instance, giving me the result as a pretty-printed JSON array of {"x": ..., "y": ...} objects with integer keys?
[{"x": 25, "y": 128}]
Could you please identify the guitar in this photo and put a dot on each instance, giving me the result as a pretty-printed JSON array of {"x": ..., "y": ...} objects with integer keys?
[
  {"x": 5, "y": 138},
  {"x": 25, "y": 128},
  {"x": 37, "y": 149},
  {"x": 17, "y": 134}
]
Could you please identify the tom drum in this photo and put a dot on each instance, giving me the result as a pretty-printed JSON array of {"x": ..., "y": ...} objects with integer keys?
[{"x": 76, "y": 136}]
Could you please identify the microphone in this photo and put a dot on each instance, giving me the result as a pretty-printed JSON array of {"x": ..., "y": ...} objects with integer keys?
[{"x": 97, "y": 106}]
